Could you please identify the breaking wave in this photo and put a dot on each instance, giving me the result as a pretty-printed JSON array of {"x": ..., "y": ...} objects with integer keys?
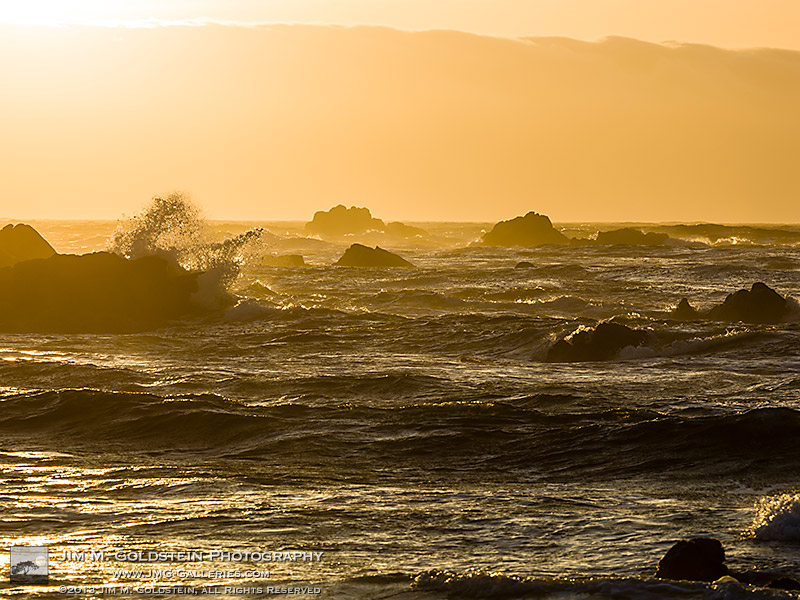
[
  {"x": 483, "y": 436},
  {"x": 777, "y": 519},
  {"x": 504, "y": 587},
  {"x": 173, "y": 228}
]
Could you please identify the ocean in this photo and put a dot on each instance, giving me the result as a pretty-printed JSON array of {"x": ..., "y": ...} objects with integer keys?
[{"x": 405, "y": 424}]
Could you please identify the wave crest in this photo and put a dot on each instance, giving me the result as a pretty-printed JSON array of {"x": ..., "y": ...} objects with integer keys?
[
  {"x": 173, "y": 228},
  {"x": 777, "y": 518}
]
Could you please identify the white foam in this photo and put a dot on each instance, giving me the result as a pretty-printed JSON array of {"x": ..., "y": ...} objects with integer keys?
[
  {"x": 777, "y": 518},
  {"x": 690, "y": 346},
  {"x": 249, "y": 310}
]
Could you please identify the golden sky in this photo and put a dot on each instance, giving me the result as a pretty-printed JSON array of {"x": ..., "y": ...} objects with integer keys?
[
  {"x": 276, "y": 122},
  {"x": 729, "y": 23}
]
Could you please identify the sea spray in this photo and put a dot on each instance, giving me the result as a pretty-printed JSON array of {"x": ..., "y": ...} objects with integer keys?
[
  {"x": 173, "y": 228},
  {"x": 777, "y": 518}
]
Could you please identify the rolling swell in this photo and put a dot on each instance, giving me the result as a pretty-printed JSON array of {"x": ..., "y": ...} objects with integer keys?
[{"x": 515, "y": 438}]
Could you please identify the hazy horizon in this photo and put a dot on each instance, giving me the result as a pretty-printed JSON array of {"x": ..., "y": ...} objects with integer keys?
[
  {"x": 278, "y": 122},
  {"x": 744, "y": 24}
]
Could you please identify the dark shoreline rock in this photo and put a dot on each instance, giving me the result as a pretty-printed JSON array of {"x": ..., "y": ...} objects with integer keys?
[
  {"x": 98, "y": 292},
  {"x": 695, "y": 559},
  {"x": 703, "y": 559}
]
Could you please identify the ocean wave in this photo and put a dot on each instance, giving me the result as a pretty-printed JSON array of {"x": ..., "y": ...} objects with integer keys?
[
  {"x": 777, "y": 519},
  {"x": 693, "y": 345},
  {"x": 491, "y": 435},
  {"x": 734, "y": 235},
  {"x": 504, "y": 587}
]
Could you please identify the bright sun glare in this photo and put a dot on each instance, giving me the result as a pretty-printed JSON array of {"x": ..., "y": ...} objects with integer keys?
[{"x": 59, "y": 12}]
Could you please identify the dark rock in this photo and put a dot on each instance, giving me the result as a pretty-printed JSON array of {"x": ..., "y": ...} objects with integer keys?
[
  {"x": 784, "y": 583},
  {"x": 761, "y": 304},
  {"x": 630, "y": 237},
  {"x": 22, "y": 242},
  {"x": 531, "y": 230},
  {"x": 98, "y": 292},
  {"x": 402, "y": 230},
  {"x": 524, "y": 265},
  {"x": 341, "y": 220},
  {"x": 684, "y": 311},
  {"x": 696, "y": 559},
  {"x": 601, "y": 343},
  {"x": 359, "y": 255}
]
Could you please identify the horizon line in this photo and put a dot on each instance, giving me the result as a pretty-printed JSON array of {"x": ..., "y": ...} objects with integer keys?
[
  {"x": 7, "y": 220},
  {"x": 200, "y": 22}
]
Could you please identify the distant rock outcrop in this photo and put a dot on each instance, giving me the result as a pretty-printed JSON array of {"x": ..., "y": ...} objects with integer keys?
[
  {"x": 696, "y": 559},
  {"x": 22, "y": 242},
  {"x": 99, "y": 292},
  {"x": 630, "y": 237},
  {"x": 359, "y": 255},
  {"x": 402, "y": 230},
  {"x": 284, "y": 260},
  {"x": 601, "y": 343},
  {"x": 524, "y": 264},
  {"x": 531, "y": 230},
  {"x": 341, "y": 220},
  {"x": 759, "y": 304}
]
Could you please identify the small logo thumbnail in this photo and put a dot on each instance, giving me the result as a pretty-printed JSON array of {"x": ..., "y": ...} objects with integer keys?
[{"x": 29, "y": 565}]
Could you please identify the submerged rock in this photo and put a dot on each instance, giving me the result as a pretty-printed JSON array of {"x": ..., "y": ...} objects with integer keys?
[
  {"x": 341, "y": 220},
  {"x": 524, "y": 264},
  {"x": 531, "y": 230},
  {"x": 630, "y": 237},
  {"x": 22, "y": 242},
  {"x": 359, "y": 255},
  {"x": 99, "y": 292},
  {"x": 696, "y": 559},
  {"x": 601, "y": 343}
]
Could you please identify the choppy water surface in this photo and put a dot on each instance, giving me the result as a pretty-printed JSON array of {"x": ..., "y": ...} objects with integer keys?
[{"x": 403, "y": 422}]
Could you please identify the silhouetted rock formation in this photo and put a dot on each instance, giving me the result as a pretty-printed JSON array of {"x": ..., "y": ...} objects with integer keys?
[
  {"x": 630, "y": 237},
  {"x": 359, "y": 255},
  {"x": 341, "y": 220},
  {"x": 685, "y": 311},
  {"x": 524, "y": 265},
  {"x": 22, "y": 242},
  {"x": 285, "y": 260},
  {"x": 98, "y": 292},
  {"x": 601, "y": 343},
  {"x": 696, "y": 559},
  {"x": 531, "y": 230},
  {"x": 398, "y": 229},
  {"x": 760, "y": 304}
]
